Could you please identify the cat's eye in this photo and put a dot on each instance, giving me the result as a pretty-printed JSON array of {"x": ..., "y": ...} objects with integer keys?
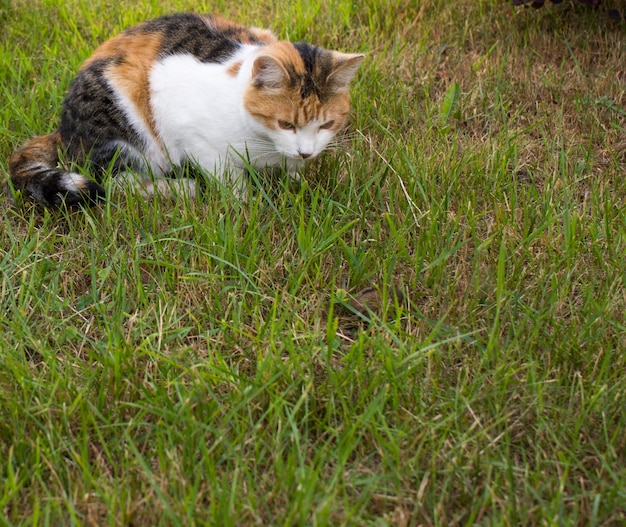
[
  {"x": 286, "y": 125},
  {"x": 327, "y": 125}
]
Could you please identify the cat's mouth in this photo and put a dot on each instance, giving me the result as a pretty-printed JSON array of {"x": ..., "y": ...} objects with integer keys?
[{"x": 301, "y": 156}]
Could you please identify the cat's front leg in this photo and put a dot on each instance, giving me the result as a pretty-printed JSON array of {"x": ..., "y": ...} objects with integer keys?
[
  {"x": 239, "y": 185},
  {"x": 293, "y": 167},
  {"x": 148, "y": 186}
]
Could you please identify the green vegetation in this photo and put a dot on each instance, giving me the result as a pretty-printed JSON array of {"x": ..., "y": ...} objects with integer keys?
[{"x": 176, "y": 362}]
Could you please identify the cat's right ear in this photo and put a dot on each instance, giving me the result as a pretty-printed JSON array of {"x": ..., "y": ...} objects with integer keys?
[{"x": 268, "y": 73}]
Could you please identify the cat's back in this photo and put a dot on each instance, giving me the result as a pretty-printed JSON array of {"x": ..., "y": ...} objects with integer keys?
[{"x": 208, "y": 38}]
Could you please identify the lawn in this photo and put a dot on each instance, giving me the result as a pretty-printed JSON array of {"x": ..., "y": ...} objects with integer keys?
[{"x": 428, "y": 330}]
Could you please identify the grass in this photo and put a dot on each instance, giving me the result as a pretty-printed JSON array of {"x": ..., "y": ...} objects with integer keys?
[{"x": 198, "y": 362}]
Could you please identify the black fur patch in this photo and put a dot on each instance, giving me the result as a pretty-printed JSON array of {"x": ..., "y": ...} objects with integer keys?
[
  {"x": 91, "y": 117},
  {"x": 189, "y": 33},
  {"x": 45, "y": 187},
  {"x": 318, "y": 65}
]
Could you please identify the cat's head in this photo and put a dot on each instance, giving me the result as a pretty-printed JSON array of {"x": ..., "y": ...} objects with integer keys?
[{"x": 299, "y": 94}]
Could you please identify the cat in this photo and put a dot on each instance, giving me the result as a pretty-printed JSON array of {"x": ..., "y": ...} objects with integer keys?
[{"x": 188, "y": 89}]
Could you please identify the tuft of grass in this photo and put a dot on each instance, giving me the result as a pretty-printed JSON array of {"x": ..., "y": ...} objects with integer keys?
[{"x": 178, "y": 362}]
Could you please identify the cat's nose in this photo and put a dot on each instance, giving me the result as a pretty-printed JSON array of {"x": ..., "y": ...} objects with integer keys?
[{"x": 304, "y": 155}]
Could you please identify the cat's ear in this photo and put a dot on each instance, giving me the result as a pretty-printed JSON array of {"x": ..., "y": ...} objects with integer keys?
[
  {"x": 345, "y": 66},
  {"x": 268, "y": 73}
]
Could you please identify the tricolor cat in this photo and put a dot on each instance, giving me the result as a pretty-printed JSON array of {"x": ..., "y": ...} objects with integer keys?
[{"x": 188, "y": 88}]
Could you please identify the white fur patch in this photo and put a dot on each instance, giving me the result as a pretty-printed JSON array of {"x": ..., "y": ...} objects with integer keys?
[
  {"x": 197, "y": 111},
  {"x": 72, "y": 182}
]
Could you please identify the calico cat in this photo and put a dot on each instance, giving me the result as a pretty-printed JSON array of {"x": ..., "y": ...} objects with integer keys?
[{"x": 188, "y": 88}]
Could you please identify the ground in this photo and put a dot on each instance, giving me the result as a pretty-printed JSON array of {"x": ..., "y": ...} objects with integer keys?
[{"x": 177, "y": 362}]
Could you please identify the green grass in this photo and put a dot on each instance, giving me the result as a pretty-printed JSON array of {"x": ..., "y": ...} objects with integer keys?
[{"x": 197, "y": 362}]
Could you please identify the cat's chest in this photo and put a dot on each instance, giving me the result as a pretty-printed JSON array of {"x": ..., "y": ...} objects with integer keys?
[
  {"x": 184, "y": 91},
  {"x": 197, "y": 107}
]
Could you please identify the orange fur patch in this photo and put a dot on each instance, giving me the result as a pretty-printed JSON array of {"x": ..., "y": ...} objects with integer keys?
[
  {"x": 233, "y": 69},
  {"x": 43, "y": 149},
  {"x": 131, "y": 75},
  {"x": 285, "y": 53}
]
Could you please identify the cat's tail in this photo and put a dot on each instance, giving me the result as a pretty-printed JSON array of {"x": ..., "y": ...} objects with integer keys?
[{"x": 34, "y": 171}]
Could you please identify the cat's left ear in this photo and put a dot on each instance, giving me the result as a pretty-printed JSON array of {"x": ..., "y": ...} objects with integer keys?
[{"x": 345, "y": 66}]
